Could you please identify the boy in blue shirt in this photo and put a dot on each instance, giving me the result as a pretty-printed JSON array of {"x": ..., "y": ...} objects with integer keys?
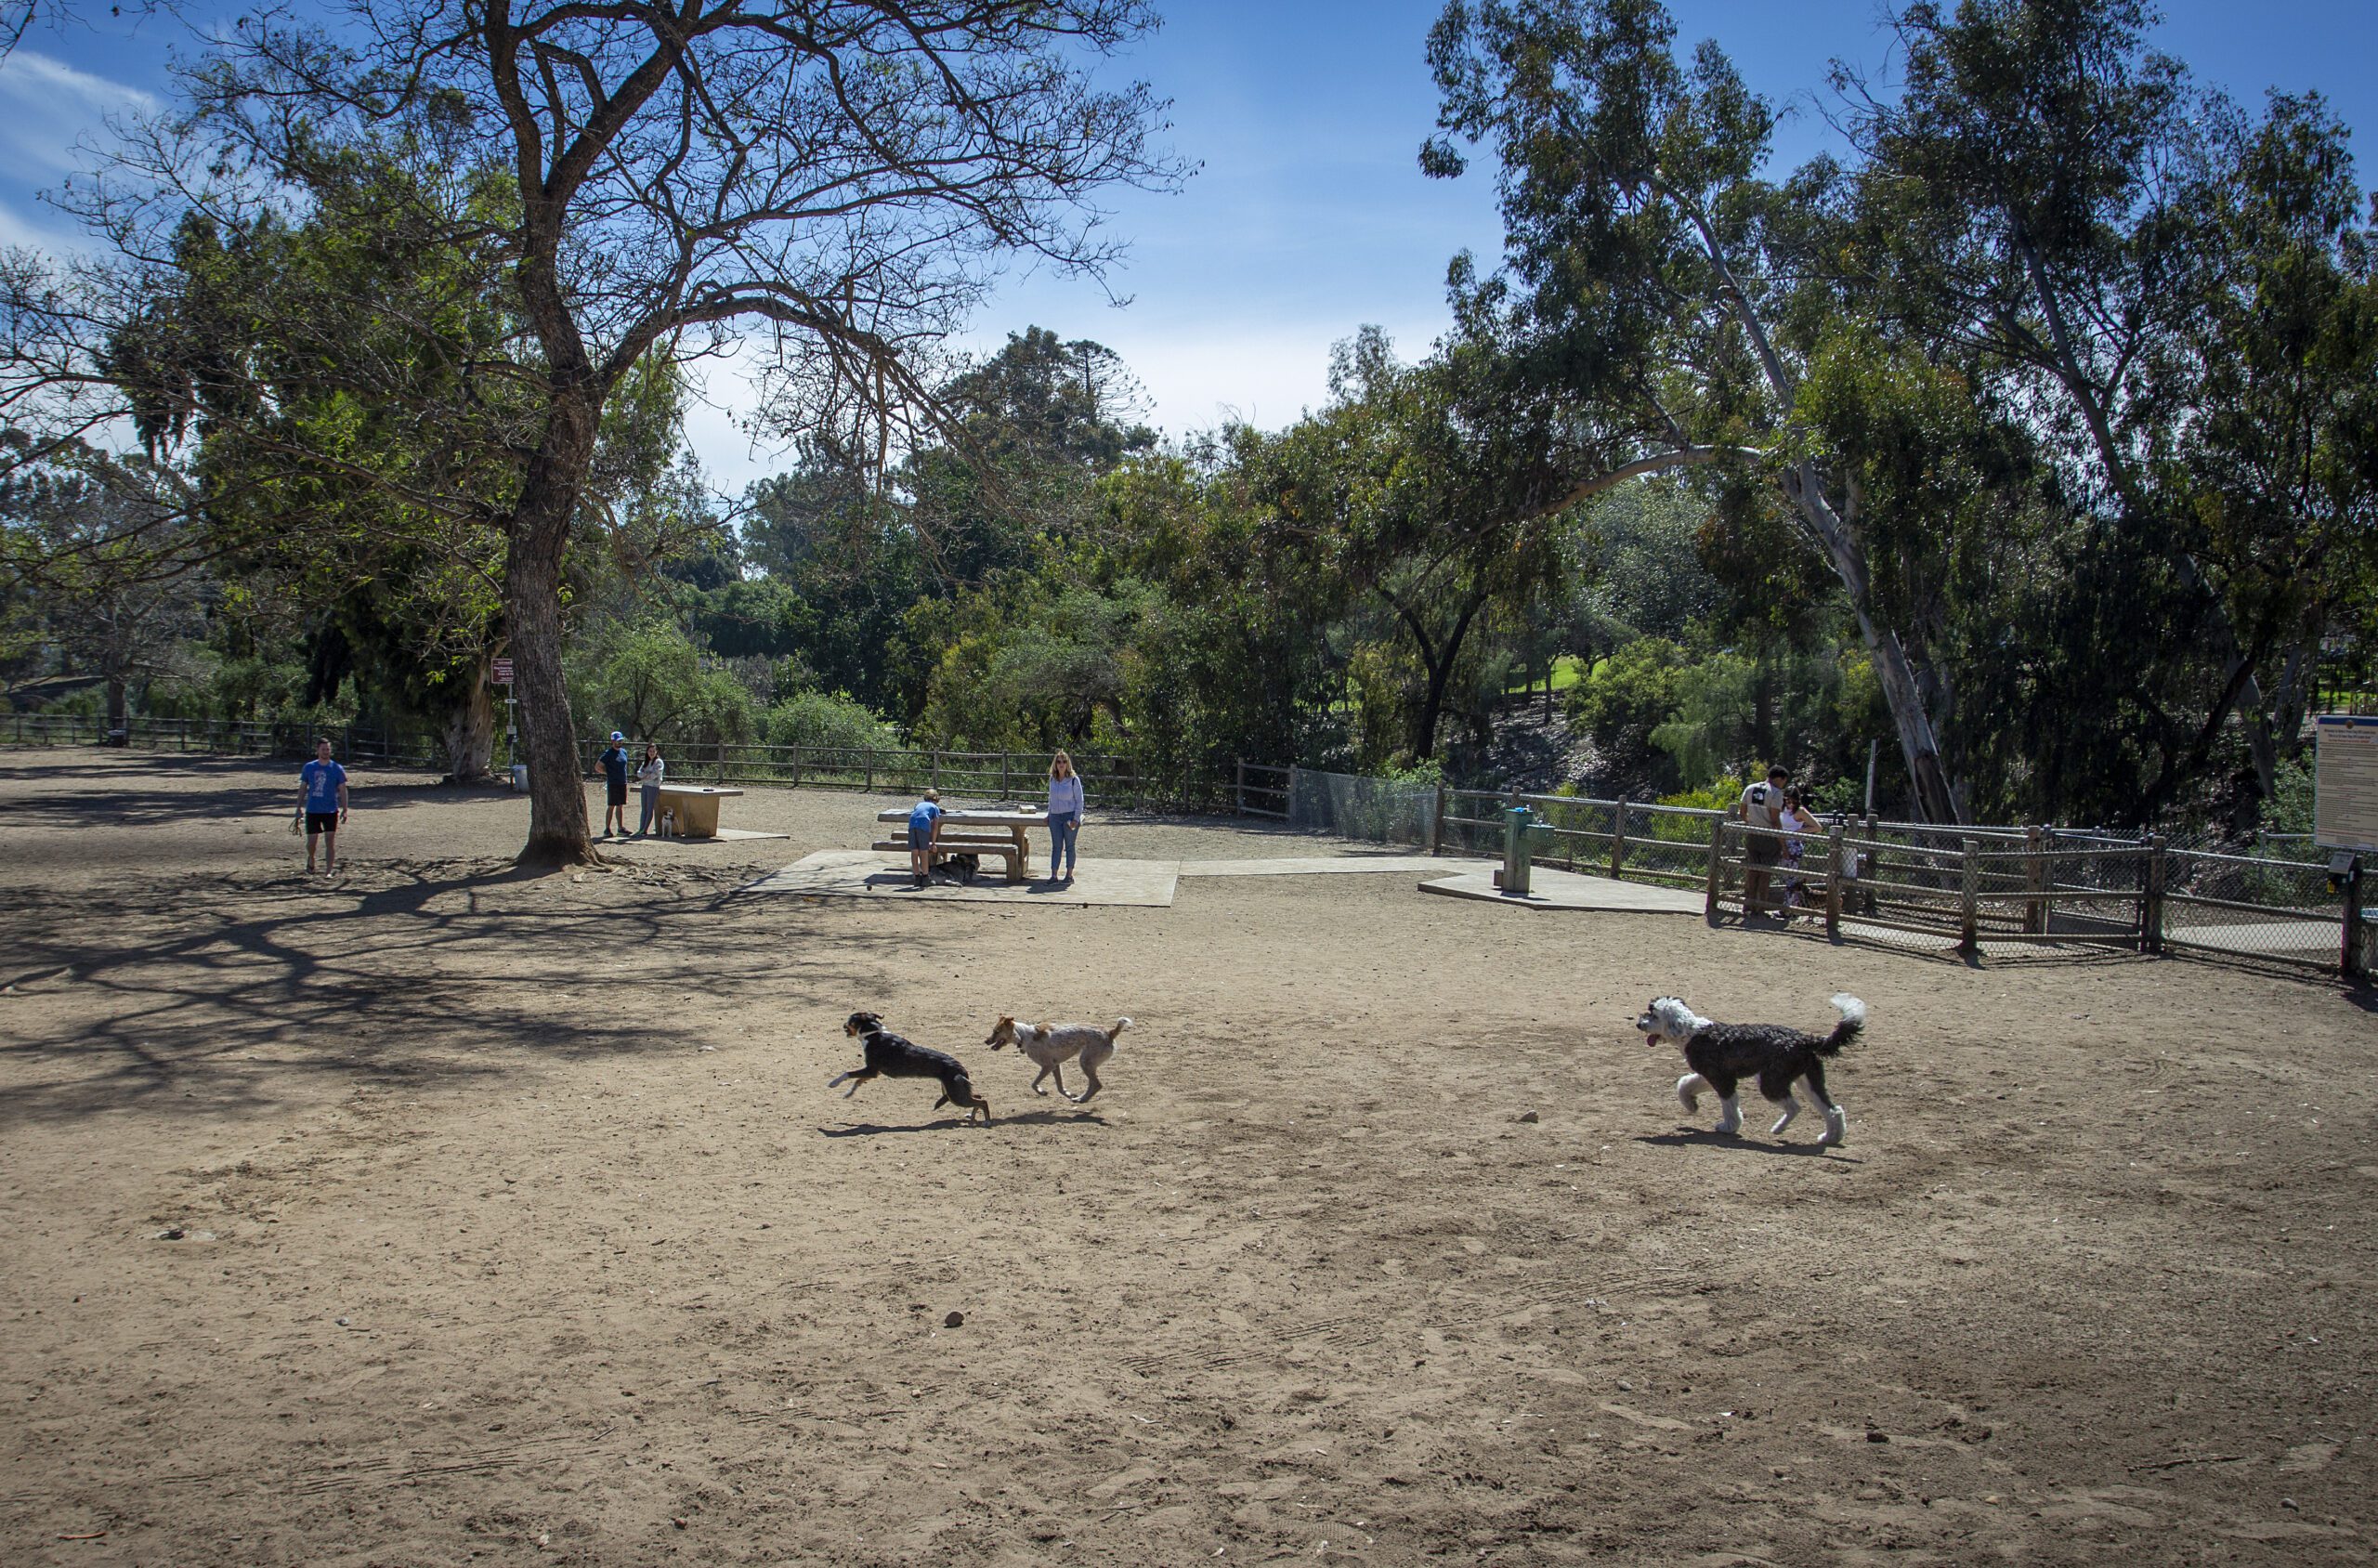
[
  {"x": 323, "y": 784},
  {"x": 615, "y": 785},
  {"x": 925, "y": 831}
]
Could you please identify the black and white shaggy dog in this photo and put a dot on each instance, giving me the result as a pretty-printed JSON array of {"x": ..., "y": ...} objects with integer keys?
[
  {"x": 1722, "y": 1056},
  {"x": 888, "y": 1056}
]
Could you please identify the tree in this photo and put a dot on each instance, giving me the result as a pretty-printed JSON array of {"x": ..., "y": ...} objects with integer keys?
[
  {"x": 77, "y": 526},
  {"x": 2174, "y": 306},
  {"x": 839, "y": 174},
  {"x": 1649, "y": 276}
]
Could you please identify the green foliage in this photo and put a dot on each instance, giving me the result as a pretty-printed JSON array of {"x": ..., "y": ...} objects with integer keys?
[
  {"x": 820, "y": 720},
  {"x": 1718, "y": 794},
  {"x": 2290, "y": 804},
  {"x": 648, "y": 678},
  {"x": 1628, "y": 695},
  {"x": 1030, "y": 676}
]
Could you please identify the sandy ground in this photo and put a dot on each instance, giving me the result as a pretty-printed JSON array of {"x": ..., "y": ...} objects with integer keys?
[{"x": 516, "y": 1221}]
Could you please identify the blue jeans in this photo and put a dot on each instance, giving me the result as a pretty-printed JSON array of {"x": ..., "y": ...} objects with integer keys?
[
  {"x": 1063, "y": 826},
  {"x": 651, "y": 803}
]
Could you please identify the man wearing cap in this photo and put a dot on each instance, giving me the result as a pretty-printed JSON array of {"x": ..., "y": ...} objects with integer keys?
[
  {"x": 1762, "y": 807},
  {"x": 615, "y": 785}
]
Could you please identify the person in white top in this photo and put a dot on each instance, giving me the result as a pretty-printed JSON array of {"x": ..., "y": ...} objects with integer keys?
[
  {"x": 1796, "y": 822},
  {"x": 1064, "y": 815},
  {"x": 648, "y": 778}
]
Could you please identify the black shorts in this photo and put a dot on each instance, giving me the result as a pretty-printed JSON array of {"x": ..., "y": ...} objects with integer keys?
[
  {"x": 321, "y": 822},
  {"x": 1762, "y": 851},
  {"x": 615, "y": 791}
]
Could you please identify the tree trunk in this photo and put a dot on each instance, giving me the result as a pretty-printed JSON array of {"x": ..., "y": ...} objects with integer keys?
[
  {"x": 1935, "y": 797},
  {"x": 115, "y": 703},
  {"x": 470, "y": 731},
  {"x": 539, "y": 534},
  {"x": 1438, "y": 660}
]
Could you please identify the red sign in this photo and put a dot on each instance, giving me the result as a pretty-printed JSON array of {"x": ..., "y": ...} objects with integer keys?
[{"x": 504, "y": 672}]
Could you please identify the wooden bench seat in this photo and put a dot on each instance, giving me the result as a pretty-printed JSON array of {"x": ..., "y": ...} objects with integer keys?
[{"x": 1003, "y": 847}]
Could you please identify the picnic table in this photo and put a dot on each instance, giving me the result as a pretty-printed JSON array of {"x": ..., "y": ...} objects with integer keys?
[
  {"x": 988, "y": 830},
  {"x": 693, "y": 808}
]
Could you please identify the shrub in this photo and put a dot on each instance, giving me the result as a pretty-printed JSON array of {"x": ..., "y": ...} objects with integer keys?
[
  {"x": 1624, "y": 696},
  {"x": 818, "y": 719}
]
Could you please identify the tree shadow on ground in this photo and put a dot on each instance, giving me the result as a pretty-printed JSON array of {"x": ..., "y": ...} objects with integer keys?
[
  {"x": 196, "y": 993},
  {"x": 120, "y": 807}
]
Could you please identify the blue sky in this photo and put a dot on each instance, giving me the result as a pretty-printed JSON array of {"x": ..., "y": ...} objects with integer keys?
[{"x": 1309, "y": 216}]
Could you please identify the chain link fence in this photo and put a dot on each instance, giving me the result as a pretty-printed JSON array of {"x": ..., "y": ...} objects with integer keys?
[{"x": 1373, "y": 810}]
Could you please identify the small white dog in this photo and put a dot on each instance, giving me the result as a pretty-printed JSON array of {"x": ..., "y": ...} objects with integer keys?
[{"x": 1052, "y": 1045}]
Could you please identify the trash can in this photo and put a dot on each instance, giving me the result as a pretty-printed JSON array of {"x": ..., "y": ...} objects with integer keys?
[{"x": 521, "y": 778}]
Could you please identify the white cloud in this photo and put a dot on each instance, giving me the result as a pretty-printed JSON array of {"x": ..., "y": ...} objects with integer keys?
[
  {"x": 47, "y": 107},
  {"x": 43, "y": 232},
  {"x": 27, "y": 76}
]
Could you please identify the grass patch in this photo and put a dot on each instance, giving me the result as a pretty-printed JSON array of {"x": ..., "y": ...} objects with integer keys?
[{"x": 1567, "y": 670}]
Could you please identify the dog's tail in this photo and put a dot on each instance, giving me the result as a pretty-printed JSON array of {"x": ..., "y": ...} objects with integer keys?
[
  {"x": 1120, "y": 1024},
  {"x": 1854, "y": 1022}
]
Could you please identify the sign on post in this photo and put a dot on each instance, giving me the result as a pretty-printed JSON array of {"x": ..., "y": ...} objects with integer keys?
[
  {"x": 504, "y": 672},
  {"x": 2345, "y": 783}
]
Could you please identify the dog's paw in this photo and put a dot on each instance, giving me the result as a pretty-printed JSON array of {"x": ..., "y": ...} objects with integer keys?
[{"x": 1040, "y": 1091}]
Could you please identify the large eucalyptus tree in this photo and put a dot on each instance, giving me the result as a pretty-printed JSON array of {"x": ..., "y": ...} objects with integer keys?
[
  {"x": 837, "y": 178},
  {"x": 1648, "y": 278}
]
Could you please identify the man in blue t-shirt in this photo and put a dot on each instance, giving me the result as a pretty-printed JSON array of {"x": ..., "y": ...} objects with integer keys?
[
  {"x": 615, "y": 785},
  {"x": 323, "y": 784},
  {"x": 924, "y": 830}
]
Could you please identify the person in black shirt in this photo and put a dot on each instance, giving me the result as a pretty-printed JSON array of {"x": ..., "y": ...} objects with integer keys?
[{"x": 615, "y": 786}]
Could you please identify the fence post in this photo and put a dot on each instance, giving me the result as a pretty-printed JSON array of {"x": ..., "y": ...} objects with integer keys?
[
  {"x": 1833, "y": 884},
  {"x": 2349, "y": 963},
  {"x": 1969, "y": 901},
  {"x": 936, "y": 766},
  {"x": 2035, "y": 880},
  {"x": 869, "y": 755},
  {"x": 1238, "y": 785},
  {"x": 1618, "y": 841},
  {"x": 2151, "y": 906},
  {"x": 1716, "y": 865},
  {"x": 1003, "y": 775}
]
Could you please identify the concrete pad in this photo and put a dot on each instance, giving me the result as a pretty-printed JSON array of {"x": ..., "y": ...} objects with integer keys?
[
  {"x": 2279, "y": 938},
  {"x": 862, "y": 873},
  {"x": 1331, "y": 865},
  {"x": 1567, "y": 889}
]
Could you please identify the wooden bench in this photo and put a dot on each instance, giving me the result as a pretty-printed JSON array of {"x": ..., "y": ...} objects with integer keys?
[
  {"x": 986, "y": 832},
  {"x": 691, "y": 808}
]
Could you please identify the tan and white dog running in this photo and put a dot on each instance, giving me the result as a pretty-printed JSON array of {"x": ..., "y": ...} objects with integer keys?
[{"x": 1053, "y": 1045}]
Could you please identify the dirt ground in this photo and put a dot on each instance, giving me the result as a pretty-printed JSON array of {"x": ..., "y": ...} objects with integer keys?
[{"x": 432, "y": 1213}]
